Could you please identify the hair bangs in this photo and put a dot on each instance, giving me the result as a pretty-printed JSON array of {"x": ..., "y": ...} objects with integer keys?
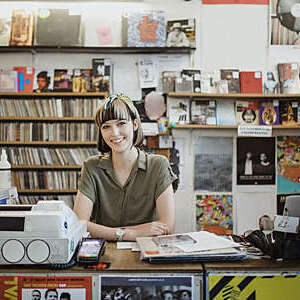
[{"x": 117, "y": 110}]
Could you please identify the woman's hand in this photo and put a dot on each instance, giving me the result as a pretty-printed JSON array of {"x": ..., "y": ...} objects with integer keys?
[{"x": 148, "y": 229}]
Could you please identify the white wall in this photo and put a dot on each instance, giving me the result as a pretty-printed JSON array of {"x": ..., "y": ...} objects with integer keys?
[{"x": 228, "y": 36}]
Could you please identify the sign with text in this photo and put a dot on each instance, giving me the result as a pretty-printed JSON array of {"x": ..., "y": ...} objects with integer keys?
[
  {"x": 46, "y": 287},
  {"x": 257, "y": 131}
]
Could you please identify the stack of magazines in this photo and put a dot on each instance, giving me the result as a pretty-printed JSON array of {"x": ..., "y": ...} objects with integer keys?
[{"x": 201, "y": 246}]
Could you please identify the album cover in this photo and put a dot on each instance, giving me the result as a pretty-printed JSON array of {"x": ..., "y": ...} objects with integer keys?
[
  {"x": 288, "y": 112},
  {"x": 181, "y": 33},
  {"x": 184, "y": 84},
  {"x": 247, "y": 112},
  {"x": 269, "y": 112},
  {"x": 25, "y": 79},
  {"x": 270, "y": 83},
  {"x": 288, "y": 74},
  {"x": 194, "y": 75},
  {"x": 251, "y": 82},
  {"x": 233, "y": 79},
  {"x": 256, "y": 161},
  {"x": 208, "y": 81},
  {"x": 63, "y": 80},
  {"x": 21, "y": 31},
  {"x": 146, "y": 29},
  {"x": 82, "y": 80},
  {"x": 43, "y": 80},
  {"x": 4, "y": 30},
  {"x": 58, "y": 27},
  {"x": 203, "y": 112},
  {"x": 168, "y": 81},
  {"x": 8, "y": 81},
  {"x": 225, "y": 112},
  {"x": 178, "y": 110},
  {"x": 101, "y": 74}
]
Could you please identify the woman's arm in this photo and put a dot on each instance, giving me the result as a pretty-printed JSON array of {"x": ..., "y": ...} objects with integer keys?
[{"x": 83, "y": 207}]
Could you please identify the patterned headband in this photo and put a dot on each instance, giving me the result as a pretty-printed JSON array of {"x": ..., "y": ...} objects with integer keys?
[{"x": 110, "y": 99}]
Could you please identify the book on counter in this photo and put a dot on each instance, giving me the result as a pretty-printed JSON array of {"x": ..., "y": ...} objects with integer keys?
[
  {"x": 21, "y": 29},
  {"x": 189, "y": 247},
  {"x": 251, "y": 82},
  {"x": 232, "y": 78},
  {"x": 269, "y": 112}
]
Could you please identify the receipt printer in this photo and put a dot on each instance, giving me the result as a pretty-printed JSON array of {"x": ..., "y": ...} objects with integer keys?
[{"x": 45, "y": 233}]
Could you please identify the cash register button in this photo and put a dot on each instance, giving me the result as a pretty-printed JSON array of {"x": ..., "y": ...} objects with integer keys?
[
  {"x": 13, "y": 251},
  {"x": 38, "y": 251}
]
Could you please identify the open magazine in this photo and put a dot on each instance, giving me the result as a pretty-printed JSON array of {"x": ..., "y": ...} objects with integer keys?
[{"x": 189, "y": 247}]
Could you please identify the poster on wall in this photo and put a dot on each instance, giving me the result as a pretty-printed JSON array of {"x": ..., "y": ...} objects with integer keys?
[
  {"x": 213, "y": 164},
  {"x": 284, "y": 23},
  {"x": 266, "y": 286},
  {"x": 255, "y": 161},
  {"x": 265, "y": 2},
  {"x": 146, "y": 287},
  {"x": 288, "y": 164},
  {"x": 46, "y": 287},
  {"x": 214, "y": 213}
]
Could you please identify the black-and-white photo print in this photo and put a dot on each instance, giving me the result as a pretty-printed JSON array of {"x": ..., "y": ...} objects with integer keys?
[{"x": 255, "y": 161}]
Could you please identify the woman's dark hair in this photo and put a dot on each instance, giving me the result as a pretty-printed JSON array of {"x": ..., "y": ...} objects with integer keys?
[{"x": 118, "y": 107}]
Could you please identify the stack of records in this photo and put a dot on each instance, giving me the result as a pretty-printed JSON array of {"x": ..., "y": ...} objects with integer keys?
[{"x": 201, "y": 246}]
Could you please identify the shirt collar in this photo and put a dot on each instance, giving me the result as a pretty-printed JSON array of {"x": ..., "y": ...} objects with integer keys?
[{"x": 105, "y": 161}]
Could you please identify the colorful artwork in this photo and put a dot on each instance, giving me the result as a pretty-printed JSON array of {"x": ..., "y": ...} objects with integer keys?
[
  {"x": 214, "y": 213},
  {"x": 288, "y": 164}
]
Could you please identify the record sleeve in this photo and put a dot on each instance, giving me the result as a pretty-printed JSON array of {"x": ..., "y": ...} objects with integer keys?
[
  {"x": 146, "y": 29},
  {"x": 178, "y": 110},
  {"x": 101, "y": 74},
  {"x": 269, "y": 112},
  {"x": 251, "y": 82},
  {"x": 288, "y": 74},
  {"x": 194, "y": 75},
  {"x": 22, "y": 22},
  {"x": 25, "y": 79},
  {"x": 288, "y": 112},
  {"x": 168, "y": 81},
  {"x": 4, "y": 30},
  {"x": 181, "y": 33},
  {"x": 8, "y": 81},
  {"x": 63, "y": 80},
  {"x": 247, "y": 112},
  {"x": 233, "y": 79},
  {"x": 58, "y": 27},
  {"x": 203, "y": 112},
  {"x": 43, "y": 80}
]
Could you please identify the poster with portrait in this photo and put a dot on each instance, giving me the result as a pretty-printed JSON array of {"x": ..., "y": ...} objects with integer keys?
[
  {"x": 214, "y": 213},
  {"x": 213, "y": 164},
  {"x": 46, "y": 287},
  {"x": 288, "y": 164},
  {"x": 146, "y": 287},
  {"x": 255, "y": 161}
]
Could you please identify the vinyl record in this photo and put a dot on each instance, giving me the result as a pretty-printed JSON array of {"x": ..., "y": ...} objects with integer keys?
[{"x": 288, "y": 12}]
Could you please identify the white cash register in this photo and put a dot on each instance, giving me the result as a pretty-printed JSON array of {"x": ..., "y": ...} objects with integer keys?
[{"x": 45, "y": 233}]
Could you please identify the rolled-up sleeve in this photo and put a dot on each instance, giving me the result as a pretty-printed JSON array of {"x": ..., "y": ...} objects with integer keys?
[
  {"x": 86, "y": 184},
  {"x": 166, "y": 177}
]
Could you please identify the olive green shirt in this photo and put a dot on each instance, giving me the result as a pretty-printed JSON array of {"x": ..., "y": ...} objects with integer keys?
[{"x": 135, "y": 202}]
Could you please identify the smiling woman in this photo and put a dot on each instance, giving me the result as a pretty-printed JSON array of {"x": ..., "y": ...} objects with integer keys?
[{"x": 124, "y": 192}]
